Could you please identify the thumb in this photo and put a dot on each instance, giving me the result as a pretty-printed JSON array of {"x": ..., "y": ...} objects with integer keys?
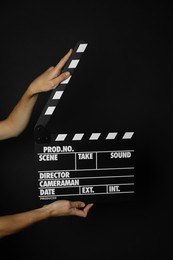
[
  {"x": 77, "y": 204},
  {"x": 56, "y": 81}
]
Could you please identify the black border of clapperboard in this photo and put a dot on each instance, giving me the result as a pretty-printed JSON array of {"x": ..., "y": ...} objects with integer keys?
[{"x": 41, "y": 134}]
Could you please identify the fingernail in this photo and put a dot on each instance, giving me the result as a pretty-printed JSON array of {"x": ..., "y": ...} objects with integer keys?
[{"x": 67, "y": 73}]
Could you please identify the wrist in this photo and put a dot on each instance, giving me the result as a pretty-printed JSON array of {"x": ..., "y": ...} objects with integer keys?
[{"x": 31, "y": 91}]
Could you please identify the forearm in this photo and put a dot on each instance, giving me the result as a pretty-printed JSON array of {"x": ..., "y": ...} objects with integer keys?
[
  {"x": 20, "y": 115},
  {"x": 11, "y": 224},
  {"x": 18, "y": 119}
]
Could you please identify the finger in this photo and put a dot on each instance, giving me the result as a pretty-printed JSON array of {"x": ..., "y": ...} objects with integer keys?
[
  {"x": 63, "y": 61},
  {"x": 87, "y": 208},
  {"x": 82, "y": 213},
  {"x": 56, "y": 81},
  {"x": 77, "y": 204},
  {"x": 50, "y": 68},
  {"x": 78, "y": 213}
]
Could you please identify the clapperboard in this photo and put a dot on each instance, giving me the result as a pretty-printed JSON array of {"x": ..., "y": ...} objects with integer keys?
[{"x": 88, "y": 166}]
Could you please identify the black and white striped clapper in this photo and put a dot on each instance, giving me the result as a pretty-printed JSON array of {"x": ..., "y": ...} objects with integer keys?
[
  {"x": 57, "y": 93},
  {"x": 89, "y": 166}
]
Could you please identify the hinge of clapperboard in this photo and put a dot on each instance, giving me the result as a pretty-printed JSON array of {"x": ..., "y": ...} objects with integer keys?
[{"x": 41, "y": 134}]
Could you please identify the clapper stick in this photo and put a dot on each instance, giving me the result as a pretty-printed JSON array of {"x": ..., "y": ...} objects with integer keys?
[{"x": 41, "y": 134}]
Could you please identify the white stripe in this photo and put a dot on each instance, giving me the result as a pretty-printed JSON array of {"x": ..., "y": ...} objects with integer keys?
[
  {"x": 61, "y": 137},
  {"x": 82, "y": 47},
  {"x": 66, "y": 80},
  {"x": 73, "y": 64},
  {"x": 94, "y": 136},
  {"x": 50, "y": 110},
  {"x": 77, "y": 137},
  {"x": 57, "y": 94},
  {"x": 128, "y": 135},
  {"x": 111, "y": 136}
]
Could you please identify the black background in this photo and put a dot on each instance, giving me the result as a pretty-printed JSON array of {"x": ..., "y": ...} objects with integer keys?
[{"x": 124, "y": 82}]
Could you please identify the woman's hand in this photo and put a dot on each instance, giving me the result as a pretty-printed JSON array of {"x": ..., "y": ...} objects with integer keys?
[
  {"x": 51, "y": 78},
  {"x": 67, "y": 208}
]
